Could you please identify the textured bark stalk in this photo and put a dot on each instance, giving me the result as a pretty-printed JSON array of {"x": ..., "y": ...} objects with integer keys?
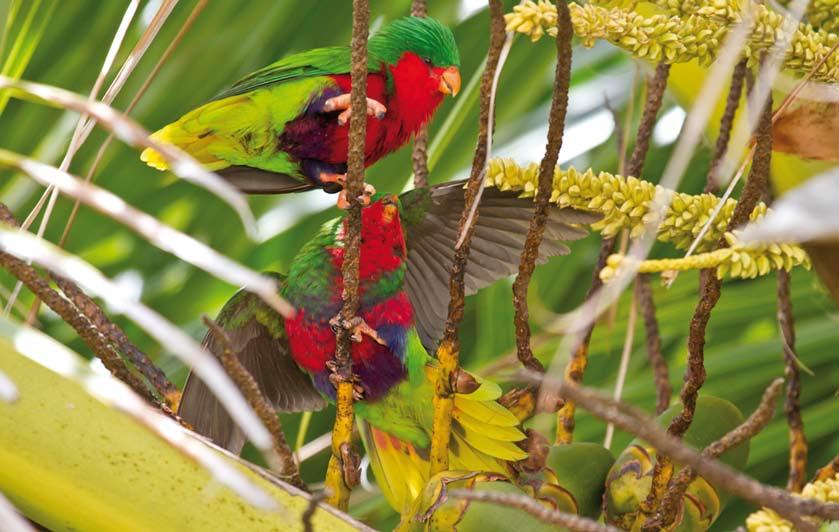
[
  {"x": 726, "y": 123},
  {"x": 655, "y": 95},
  {"x": 286, "y": 468},
  {"x": 657, "y": 362},
  {"x": 828, "y": 471},
  {"x": 118, "y": 338},
  {"x": 419, "y": 157},
  {"x": 75, "y": 319},
  {"x": 565, "y": 422},
  {"x": 441, "y": 428},
  {"x": 419, "y": 151},
  {"x": 339, "y": 491},
  {"x": 337, "y": 474},
  {"x": 574, "y": 371},
  {"x": 419, "y": 8},
  {"x": 448, "y": 351},
  {"x": 556, "y": 128},
  {"x": 694, "y": 378},
  {"x": 90, "y": 331},
  {"x": 792, "y": 407}
]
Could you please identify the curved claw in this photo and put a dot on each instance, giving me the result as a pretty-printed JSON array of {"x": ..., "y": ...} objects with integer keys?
[
  {"x": 357, "y": 327},
  {"x": 365, "y": 198},
  {"x": 342, "y": 103}
]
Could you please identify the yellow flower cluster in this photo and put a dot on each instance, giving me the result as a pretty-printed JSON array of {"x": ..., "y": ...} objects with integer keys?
[
  {"x": 736, "y": 261},
  {"x": 766, "y": 520},
  {"x": 824, "y": 14},
  {"x": 695, "y": 31},
  {"x": 625, "y": 203},
  {"x": 655, "y": 38}
]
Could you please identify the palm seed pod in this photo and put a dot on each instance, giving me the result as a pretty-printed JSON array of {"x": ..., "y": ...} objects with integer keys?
[{"x": 630, "y": 478}]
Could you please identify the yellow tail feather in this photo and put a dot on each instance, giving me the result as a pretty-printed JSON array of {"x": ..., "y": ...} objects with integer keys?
[{"x": 483, "y": 439}]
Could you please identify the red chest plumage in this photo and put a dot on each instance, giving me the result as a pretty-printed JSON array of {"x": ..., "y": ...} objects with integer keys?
[
  {"x": 384, "y": 305},
  {"x": 411, "y": 104},
  {"x": 312, "y": 340}
]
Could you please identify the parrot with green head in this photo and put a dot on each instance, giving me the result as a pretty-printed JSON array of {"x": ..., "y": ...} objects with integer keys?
[
  {"x": 284, "y": 128},
  {"x": 406, "y": 250}
]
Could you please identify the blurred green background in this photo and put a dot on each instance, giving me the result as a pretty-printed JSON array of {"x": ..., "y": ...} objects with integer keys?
[{"x": 231, "y": 38}]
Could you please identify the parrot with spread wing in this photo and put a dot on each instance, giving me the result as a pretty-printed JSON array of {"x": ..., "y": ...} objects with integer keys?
[
  {"x": 285, "y": 128},
  {"x": 407, "y": 248}
]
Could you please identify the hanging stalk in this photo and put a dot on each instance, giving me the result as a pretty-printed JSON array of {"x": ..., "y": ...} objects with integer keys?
[
  {"x": 556, "y": 128},
  {"x": 341, "y": 473},
  {"x": 449, "y": 349},
  {"x": 828, "y": 471},
  {"x": 659, "y": 365},
  {"x": 419, "y": 152},
  {"x": 114, "y": 333},
  {"x": 792, "y": 406},
  {"x": 710, "y": 293},
  {"x": 88, "y": 331},
  {"x": 576, "y": 367},
  {"x": 732, "y": 103}
]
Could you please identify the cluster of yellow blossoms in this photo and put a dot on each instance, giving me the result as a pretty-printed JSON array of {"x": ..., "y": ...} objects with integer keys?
[
  {"x": 766, "y": 520},
  {"x": 626, "y": 202},
  {"x": 690, "y": 30}
]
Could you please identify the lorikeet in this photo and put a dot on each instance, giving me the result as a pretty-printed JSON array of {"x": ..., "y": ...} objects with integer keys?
[
  {"x": 404, "y": 294},
  {"x": 284, "y": 128}
]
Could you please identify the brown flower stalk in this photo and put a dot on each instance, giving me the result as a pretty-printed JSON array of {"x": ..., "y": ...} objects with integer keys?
[
  {"x": 792, "y": 408},
  {"x": 579, "y": 359},
  {"x": 92, "y": 331},
  {"x": 286, "y": 468},
  {"x": 71, "y": 315},
  {"x": 710, "y": 294},
  {"x": 726, "y": 123},
  {"x": 657, "y": 362},
  {"x": 339, "y": 475},
  {"x": 828, "y": 471},
  {"x": 556, "y": 127},
  {"x": 118, "y": 338},
  {"x": 419, "y": 153},
  {"x": 565, "y": 421},
  {"x": 449, "y": 349}
]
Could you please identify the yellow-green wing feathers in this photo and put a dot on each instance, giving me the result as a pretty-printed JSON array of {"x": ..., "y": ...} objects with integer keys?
[{"x": 241, "y": 129}]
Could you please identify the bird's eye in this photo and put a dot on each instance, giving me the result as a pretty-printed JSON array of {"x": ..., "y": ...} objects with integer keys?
[{"x": 427, "y": 61}]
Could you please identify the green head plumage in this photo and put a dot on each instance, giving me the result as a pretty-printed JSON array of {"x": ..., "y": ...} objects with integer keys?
[{"x": 424, "y": 36}]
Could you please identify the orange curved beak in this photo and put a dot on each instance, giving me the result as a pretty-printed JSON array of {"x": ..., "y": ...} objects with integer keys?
[{"x": 450, "y": 81}]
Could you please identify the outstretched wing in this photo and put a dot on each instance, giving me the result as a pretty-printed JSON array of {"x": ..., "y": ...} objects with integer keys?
[
  {"x": 431, "y": 217},
  {"x": 257, "y": 335}
]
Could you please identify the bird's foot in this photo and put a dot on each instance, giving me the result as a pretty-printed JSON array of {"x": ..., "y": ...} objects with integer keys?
[
  {"x": 341, "y": 180},
  {"x": 342, "y": 103},
  {"x": 336, "y": 377},
  {"x": 357, "y": 327}
]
